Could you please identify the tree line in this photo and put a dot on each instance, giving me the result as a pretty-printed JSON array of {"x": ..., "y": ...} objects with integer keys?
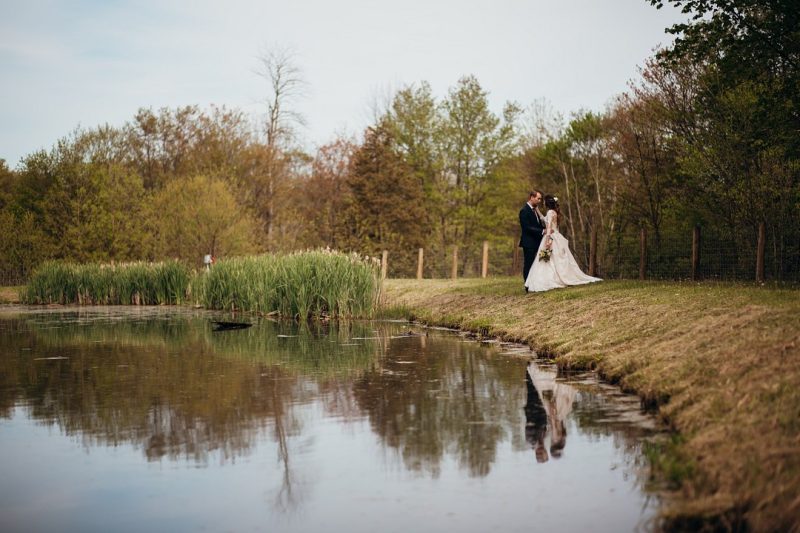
[{"x": 707, "y": 135}]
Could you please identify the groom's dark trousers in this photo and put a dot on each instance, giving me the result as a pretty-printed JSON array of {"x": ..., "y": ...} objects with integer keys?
[{"x": 531, "y": 237}]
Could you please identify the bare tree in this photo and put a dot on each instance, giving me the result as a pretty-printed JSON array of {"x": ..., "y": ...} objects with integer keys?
[
  {"x": 285, "y": 87},
  {"x": 540, "y": 123}
]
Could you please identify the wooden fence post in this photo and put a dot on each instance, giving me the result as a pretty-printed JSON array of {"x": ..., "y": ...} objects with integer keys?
[
  {"x": 454, "y": 273},
  {"x": 643, "y": 253},
  {"x": 762, "y": 238},
  {"x": 485, "y": 263},
  {"x": 696, "y": 253},
  {"x": 419, "y": 263},
  {"x": 384, "y": 263},
  {"x": 593, "y": 253},
  {"x": 515, "y": 260}
]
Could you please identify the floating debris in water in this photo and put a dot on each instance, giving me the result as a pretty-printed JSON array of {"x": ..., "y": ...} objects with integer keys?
[
  {"x": 50, "y": 358},
  {"x": 222, "y": 326},
  {"x": 409, "y": 335}
]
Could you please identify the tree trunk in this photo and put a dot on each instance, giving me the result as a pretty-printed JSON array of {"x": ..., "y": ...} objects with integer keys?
[
  {"x": 696, "y": 253},
  {"x": 643, "y": 254},
  {"x": 762, "y": 238}
]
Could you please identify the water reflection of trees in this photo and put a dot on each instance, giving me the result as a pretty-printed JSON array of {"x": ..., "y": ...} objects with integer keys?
[
  {"x": 453, "y": 403},
  {"x": 146, "y": 394},
  {"x": 173, "y": 388},
  {"x": 176, "y": 390}
]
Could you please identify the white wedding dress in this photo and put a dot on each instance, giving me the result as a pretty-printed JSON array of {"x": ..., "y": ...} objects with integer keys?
[{"x": 561, "y": 270}]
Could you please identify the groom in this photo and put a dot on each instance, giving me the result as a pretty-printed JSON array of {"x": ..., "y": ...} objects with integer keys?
[{"x": 533, "y": 228}]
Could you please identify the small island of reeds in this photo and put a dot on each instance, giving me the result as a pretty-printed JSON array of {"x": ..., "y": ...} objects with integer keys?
[{"x": 299, "y": 285}]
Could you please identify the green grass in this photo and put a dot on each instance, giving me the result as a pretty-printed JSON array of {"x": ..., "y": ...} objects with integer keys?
[{"x": 98, "y": 284}]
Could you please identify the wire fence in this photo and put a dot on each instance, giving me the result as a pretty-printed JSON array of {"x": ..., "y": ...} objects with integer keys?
[
  {"x": 701, "y": 253},
  {"x": 697, "y": 253}
]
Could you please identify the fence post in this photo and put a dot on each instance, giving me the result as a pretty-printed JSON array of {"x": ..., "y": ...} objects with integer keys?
[
  {"x": 384, "y": 263},
  {"x": 485, "y": 263},
  {"x": 762, "y": 238},
  {"x": 696, "y": 253},
  {"x": 643, "y": 253},
  {"x": 454, "y": 273},
  {"x": 593, "y": 253},
  {"x": 419, "y": 263},
  {"x": 515, "y": 260}
]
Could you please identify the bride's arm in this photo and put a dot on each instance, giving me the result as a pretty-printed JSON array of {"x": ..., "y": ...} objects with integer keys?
[{"x": 548, "y": 232}]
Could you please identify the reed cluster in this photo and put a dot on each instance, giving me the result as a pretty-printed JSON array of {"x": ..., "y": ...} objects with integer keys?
[
  {"x": 301, "y": 285},
  {"x": 136, "y": 283}
]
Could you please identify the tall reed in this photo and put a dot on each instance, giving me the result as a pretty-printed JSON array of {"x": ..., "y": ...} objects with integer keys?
[
  {"x": 301, "y": 285},
  {"x": 99, "y": 284}
]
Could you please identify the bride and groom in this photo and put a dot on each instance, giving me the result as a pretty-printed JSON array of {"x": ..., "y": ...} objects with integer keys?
[{"x": 548, "y": 262}]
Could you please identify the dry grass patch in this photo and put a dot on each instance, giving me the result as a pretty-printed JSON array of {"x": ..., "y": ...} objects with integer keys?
[
  {"x": 721, "y": 361},
  {"x": 10, "y": 295}
]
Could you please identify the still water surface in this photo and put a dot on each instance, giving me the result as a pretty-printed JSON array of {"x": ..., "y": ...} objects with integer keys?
[{"x": 134, "y": 419}]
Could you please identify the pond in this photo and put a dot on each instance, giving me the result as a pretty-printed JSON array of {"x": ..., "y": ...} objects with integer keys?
[{"x": 134, "y": 419}]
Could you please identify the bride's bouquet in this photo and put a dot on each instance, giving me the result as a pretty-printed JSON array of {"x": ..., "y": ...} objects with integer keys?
[{"x": 545, "y": 254}]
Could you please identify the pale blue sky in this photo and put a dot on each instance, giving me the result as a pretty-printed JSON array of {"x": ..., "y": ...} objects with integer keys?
[{"x": 90, "y": 62}]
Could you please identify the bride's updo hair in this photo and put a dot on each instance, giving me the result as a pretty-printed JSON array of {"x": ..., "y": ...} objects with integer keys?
[{"x": 551, "y": 202}]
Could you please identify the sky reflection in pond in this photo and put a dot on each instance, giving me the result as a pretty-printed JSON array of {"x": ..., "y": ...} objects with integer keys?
[{"x": 130, "y": 419}]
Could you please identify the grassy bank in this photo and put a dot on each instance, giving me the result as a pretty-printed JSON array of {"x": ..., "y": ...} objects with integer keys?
[{"x": 722, "y": 362}]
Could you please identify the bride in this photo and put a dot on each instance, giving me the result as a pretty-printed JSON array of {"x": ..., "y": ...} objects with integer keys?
[{"x": 561, "y": 269}]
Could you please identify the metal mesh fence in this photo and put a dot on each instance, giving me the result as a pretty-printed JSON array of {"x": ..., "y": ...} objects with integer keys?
[{"x": 720, "y": 255}]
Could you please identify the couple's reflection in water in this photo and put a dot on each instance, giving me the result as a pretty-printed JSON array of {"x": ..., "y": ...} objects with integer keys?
[{"x": 548, "y": 404}]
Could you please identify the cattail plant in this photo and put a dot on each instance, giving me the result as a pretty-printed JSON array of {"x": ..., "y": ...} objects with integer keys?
[
  {"x": 301, "y": 285},
  {"x": 136, "y": 283}
]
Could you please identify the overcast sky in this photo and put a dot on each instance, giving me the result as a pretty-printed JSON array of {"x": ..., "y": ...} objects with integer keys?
[{"x": 89, "y": 62}]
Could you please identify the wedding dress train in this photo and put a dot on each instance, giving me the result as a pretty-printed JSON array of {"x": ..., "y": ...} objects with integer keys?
[{"x": 561, "y": 270}]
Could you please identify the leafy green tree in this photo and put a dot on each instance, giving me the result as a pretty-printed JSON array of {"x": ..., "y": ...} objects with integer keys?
[
  {"x": 23, "y": 246},
  {"x": 8, "y": 181},
  {"x": 459, "y": 150},
  {"x": 578, "y": 165},
  {"x": 88, "y": 208},
  {"x": 740, "y": 150},
  {"x": 749, "y": 38},
  {"x": 107, "y": 211},
  {"x": 190, "y": 218},
  {"x": 476, "y": 194},
  {"x": 385, "y": 207},
  {"x": 172, "y": 143},
  {"x": 414, "y": 120}
]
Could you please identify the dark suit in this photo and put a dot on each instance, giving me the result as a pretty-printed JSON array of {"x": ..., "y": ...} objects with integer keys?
[
  {"x": 535, "y": 415},
  {"x": 532, "y": 229}
]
